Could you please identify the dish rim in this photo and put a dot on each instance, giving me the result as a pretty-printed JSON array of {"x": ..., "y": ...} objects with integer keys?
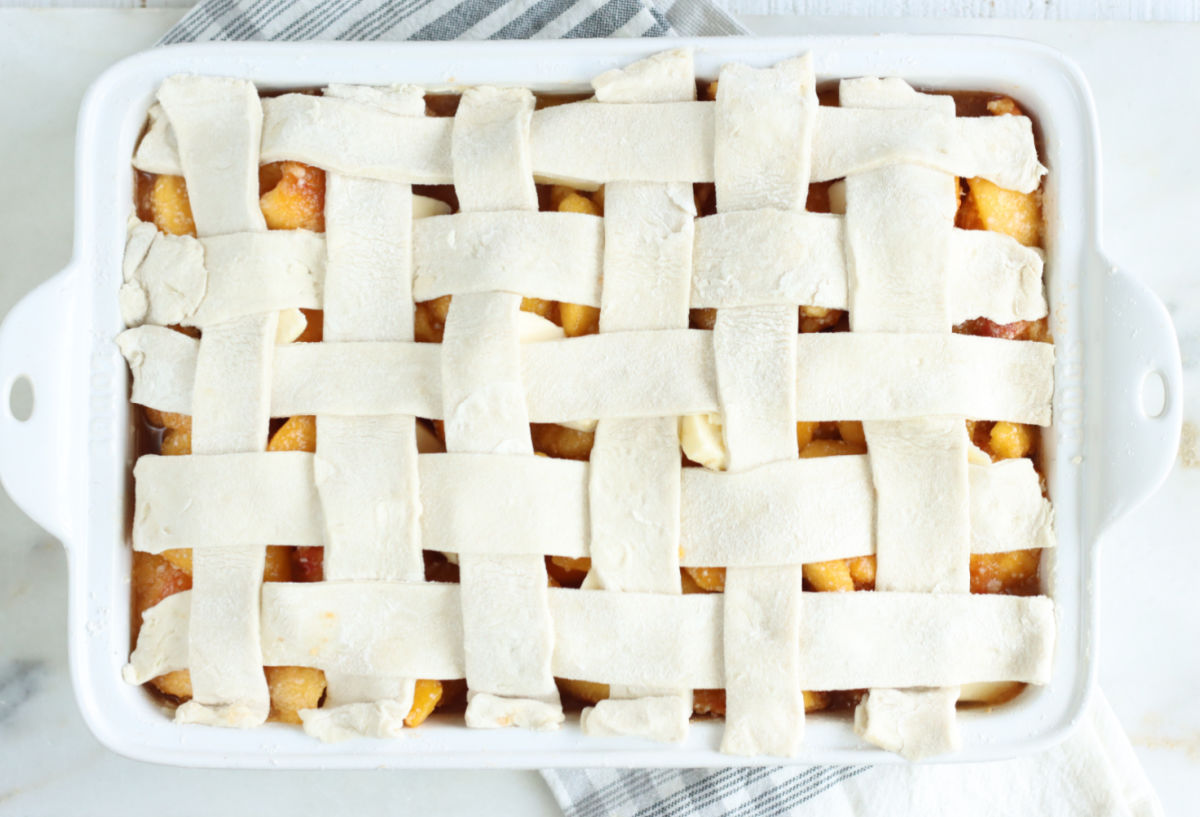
[{"x": 130, "y": 722}]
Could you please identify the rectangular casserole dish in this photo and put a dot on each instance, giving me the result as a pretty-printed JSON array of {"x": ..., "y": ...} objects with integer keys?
[{"x": 69, "y": 465}]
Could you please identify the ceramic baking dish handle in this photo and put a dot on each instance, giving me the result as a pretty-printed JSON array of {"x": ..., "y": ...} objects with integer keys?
[
  {"x": 34, "y": 340},
  {"x": 1141, "y": 394}
]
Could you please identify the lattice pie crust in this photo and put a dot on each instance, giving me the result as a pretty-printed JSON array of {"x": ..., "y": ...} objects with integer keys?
[{"x": 894, "y": 260}]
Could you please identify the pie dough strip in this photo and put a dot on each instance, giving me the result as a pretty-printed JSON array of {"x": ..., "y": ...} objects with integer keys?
[
  {"x": 508, "y": 639},
  {"x": 635, "y": 465},
  {"x": 494, "y": 504},
  {"x": 922, "y": 505},
  {"x": 358, "y": 379},
  {"x": 652, "y": 640},
  {"x": 586, "y": 145},
  {"x": 914, "y": 722},
  {"x": 871, "y": 639},
  {"x": 849, "y": 141},
  {"x": 742, "y": 259},
  {"x": 171, "y": 279},
  {"x": 366, "y": 467},
  {"x": 230, "y": 413},
  {"x": 491, "y": 151},
  {"x": 354, "y": 138},
  {"x": 764, "y": 131},
  {"x": 633, "y": 498},
  {"x": 657, "y": 373},
  {"x": 245, "y": 499},
  {"x": 555, "y": 256},
  {"x": 899, "y": 219},
  {"x": 218, "y": 124},
  {"x": 231, "y": 407},
  {"x": 158, "y": 152},
  {"x": 1006, "y": 508},
  {"x": 195, "y": 282},
  {"x": 888, "y": 248},
  {"x": 163, "y": 276},
  {"x": 762, "y": 162},
  {"x": 497, "y": 504},
  {"x": 755, "y": 352},
  {"x": 775, "y": 257},
  {"x": 826, "y": 510},
  {"x": 162, "y": 367},
  {"x": 635, "y": 374},
  {"x": 366, "y": 629},
  {"x": 883, "y": 376},
  {"x": 508, "y": 636},
  {"x": 843, "y": 639},
  {"x": 995, "y": 277}
]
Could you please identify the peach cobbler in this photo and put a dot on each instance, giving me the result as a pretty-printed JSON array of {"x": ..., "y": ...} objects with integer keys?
[{"x": 684, "y": 399}]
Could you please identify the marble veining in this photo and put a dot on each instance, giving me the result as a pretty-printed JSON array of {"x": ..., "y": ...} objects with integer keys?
[{"x": 19, "y": 681}]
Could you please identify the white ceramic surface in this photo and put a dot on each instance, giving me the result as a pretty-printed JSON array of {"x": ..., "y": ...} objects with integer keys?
[
  {"x": 1110, "y": 333},
  {"x": 1149, "y": 605}
]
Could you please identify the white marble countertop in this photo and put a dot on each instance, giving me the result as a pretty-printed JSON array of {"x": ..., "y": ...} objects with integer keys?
[{"x": 1143, "y": 77}]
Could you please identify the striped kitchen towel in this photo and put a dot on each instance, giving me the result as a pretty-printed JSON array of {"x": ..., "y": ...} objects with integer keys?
[
  {"x": 754, "y": 791},
  {"x": 289, "y": 20},
  {"x": 1094, "y": 773}
]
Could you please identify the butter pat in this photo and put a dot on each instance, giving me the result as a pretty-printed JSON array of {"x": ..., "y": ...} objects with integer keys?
[{"x": 703, "y": 441}]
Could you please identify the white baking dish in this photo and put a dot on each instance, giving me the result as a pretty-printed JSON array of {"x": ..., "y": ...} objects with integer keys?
[{"x": 69, "y": 465}]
